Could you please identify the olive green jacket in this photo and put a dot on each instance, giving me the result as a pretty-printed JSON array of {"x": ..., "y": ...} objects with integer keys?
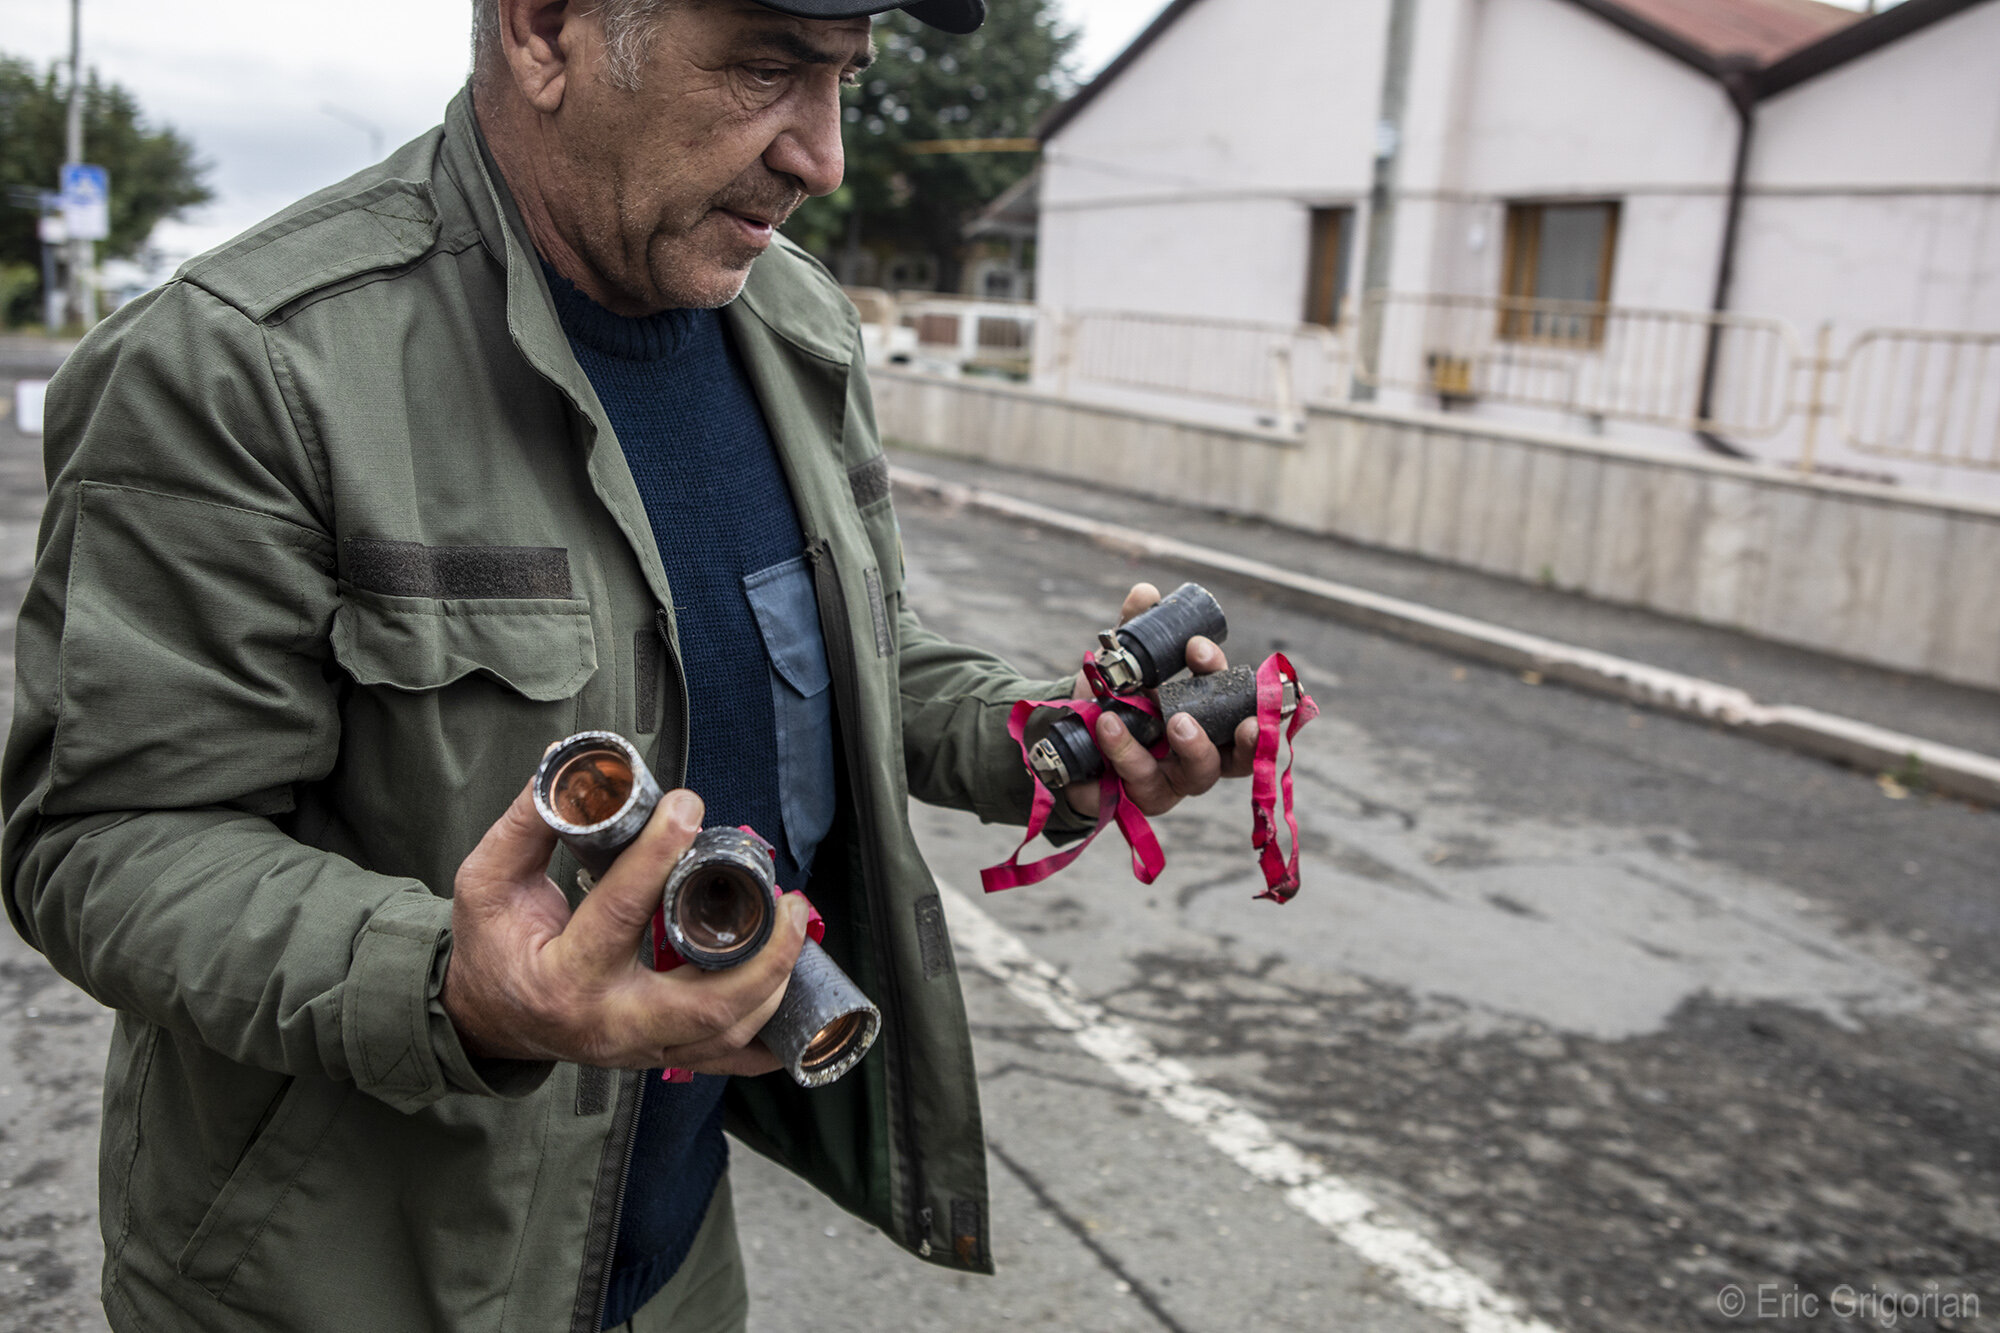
[{"x": 339, "y": 539}]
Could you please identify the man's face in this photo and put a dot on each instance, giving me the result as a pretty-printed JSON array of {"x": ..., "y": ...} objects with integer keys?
[{"x": 669, "y": 193}]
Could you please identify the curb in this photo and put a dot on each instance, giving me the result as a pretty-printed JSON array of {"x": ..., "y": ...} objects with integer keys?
[{"x": 1944, "y": 768}]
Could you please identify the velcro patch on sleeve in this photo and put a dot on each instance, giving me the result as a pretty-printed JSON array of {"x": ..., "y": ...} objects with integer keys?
[{"x": 870, "y": 481}]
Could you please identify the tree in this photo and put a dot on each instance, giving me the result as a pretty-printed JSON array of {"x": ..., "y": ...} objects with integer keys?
[
  {"x": 154, "y": 173},
  {"x": 994, "y": 84}
]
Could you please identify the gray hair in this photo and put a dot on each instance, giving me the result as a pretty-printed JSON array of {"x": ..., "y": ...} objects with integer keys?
[{"x": 628, "y": 36}]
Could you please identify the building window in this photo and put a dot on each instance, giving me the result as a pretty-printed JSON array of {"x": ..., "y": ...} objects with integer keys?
[
  {"x": 1326, "y": 264},
  {"x": 911, "y": 273},
  {"x": 1558, "y": 253}
]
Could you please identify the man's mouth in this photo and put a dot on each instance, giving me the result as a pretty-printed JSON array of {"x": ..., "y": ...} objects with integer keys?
[
  {"x": 753, "y": 232},
  {"x": 759, "y": 217}
]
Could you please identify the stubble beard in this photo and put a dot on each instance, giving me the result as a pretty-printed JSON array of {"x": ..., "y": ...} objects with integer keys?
[{"x": 705, "y": 266}]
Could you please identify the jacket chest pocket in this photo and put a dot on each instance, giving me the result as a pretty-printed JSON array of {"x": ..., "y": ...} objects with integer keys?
[
  {"x": 787, "y": 613},
  {"x": 420, "y": 618},
  {"x": 541, "y": 649},
  {"x": 452, "y": 702}
]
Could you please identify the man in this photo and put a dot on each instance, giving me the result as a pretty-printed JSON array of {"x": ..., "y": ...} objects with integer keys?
[{"x": 537, "y": 426}]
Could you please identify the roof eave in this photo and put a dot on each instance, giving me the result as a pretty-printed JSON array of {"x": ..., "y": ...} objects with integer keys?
[
  {"x": 1668, "y": 43},
  {"x": 1739, "y": 75},
  {"x": 1854, "y": 41},
  {"x": 1053, "y": 122}
]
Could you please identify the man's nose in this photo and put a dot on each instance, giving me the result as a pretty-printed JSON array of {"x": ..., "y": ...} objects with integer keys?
[{"x": 809, "y": 148}]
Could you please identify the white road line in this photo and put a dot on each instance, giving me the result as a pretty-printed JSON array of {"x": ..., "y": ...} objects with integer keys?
[{"x": 1426, "y": 1275}]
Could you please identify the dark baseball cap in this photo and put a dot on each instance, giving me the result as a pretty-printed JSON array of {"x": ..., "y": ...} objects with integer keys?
[{"x": 960, "y": 16}]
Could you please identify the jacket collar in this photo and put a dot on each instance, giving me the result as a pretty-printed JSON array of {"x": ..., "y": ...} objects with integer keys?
[
  {"x": 537, "y": 332},
  {"x": 531, "y": 311}
]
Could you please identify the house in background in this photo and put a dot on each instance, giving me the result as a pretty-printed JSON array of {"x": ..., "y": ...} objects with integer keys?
[
  {"x": 1825, "y": 178},
  {"x": 1003, "y": 236}
]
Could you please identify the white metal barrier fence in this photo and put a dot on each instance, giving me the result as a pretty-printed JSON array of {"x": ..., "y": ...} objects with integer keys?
[
  {"x": 1929, "y": 396},
  {"x": 1274, "y": 366},
  {"x": 982, "y": 335},
  {"x": 1919, "y": 395},
  {"x": 1580, "y": 357}
]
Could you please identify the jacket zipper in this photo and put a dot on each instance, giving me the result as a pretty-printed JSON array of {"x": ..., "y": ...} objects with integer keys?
[
  {"x": 590, "y": 1318},
  {"x": 628, "y": 1099},
  {"x": 665, "y": 626},
  {"x": 846, "y": 679}
]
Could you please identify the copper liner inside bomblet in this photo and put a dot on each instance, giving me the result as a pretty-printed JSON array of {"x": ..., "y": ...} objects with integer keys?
[
  {"x": 597, "y": 794},
  {"x": 721, "y": 902},
  {"x": 721, "y": 906},
  {"x": 591, "y": 786},
  {"x": 834, "y": 1041}
]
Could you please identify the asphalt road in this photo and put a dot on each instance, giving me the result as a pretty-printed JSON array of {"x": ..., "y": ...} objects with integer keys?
[{"x": 1618, "y": 1012}]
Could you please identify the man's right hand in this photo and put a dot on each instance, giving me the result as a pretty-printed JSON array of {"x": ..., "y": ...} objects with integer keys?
[{"x": 530, "y": 980}]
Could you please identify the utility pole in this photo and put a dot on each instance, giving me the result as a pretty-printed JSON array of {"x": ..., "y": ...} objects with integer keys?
[
  {"x": 82, "y": 253},
  {"x": 1382, "y": 195}
]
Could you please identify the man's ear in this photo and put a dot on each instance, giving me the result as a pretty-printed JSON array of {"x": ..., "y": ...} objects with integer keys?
[{"x": 537, "y": 40}]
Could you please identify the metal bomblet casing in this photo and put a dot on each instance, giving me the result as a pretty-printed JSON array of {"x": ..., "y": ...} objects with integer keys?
[
  {"x": 597, "y": 794},
  {"x": 721, "y": 906},
  {"x": 720, "y": 901},
  {"x": 1067, "y": 752},
  {"x": 1152, "y": 646}
]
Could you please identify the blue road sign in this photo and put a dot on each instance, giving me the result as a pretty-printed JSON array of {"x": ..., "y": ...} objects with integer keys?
[{"x": 86, "y": 201}]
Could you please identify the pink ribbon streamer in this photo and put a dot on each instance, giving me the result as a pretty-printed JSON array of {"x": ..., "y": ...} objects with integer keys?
[
  {"x": 1267, "y": 785},
  {"x": 1269, "y": 788}
]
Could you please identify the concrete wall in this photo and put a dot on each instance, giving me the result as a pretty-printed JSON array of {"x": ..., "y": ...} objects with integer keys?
[{"x": 1871, "y": 573}]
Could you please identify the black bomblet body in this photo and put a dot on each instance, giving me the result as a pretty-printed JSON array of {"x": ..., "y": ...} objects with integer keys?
[{"x": 1152, "y": 646}]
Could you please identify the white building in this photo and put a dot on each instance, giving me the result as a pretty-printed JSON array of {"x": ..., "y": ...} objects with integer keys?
[{"x": 1593, "y": 151}]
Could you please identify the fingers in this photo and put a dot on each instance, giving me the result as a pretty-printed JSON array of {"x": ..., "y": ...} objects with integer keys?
[
  {"x": 701, "y": 1017},
  {"x": 1143, "y": 596},
  {"x": 1195, "y": 764},
  {"x": 1145, "y": 779},
  {"x": 1242, "y": 756},
  {"x": 609, "y": 925},
  {"x": 1205, "y": 657},
  {"x": 515, "y": 850},
  {"x": 752, "y": 1060},
  {"x": 1192, "y": 766}
]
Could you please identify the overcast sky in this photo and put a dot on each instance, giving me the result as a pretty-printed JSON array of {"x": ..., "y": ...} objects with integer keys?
[{"x": 270, "y": 90}]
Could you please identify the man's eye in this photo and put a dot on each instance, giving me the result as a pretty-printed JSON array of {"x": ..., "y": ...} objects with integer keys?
[{"x": 766, "y": 74}]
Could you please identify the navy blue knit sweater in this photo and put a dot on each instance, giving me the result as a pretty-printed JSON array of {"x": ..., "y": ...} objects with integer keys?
[{"x": 697, "y": 444}]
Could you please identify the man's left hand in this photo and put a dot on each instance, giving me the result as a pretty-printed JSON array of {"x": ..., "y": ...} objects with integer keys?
[{"x": 1193, "y": 764}]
